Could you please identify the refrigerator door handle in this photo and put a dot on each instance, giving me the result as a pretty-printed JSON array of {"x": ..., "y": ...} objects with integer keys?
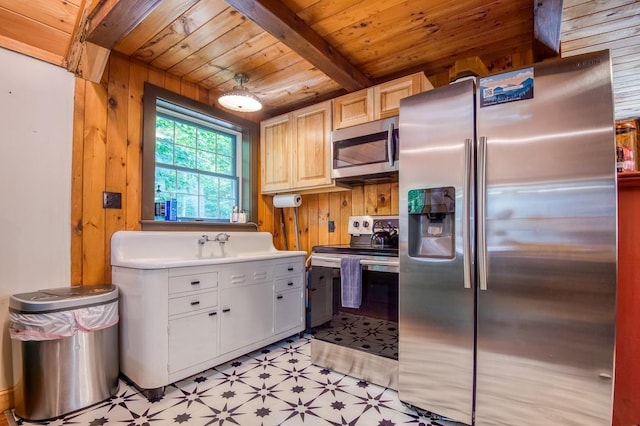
[
  {"x": 466, "y": 213},
  {"x": 482, "y": 208},
  {"x": 390, "y": 145}
]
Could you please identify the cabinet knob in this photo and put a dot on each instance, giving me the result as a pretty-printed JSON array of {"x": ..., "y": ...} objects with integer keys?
[
  {"x": 226, "y": 310},
  {"x": 195, "y": 282},
  {"x": 279, "y": 297},
  {"x": 195, "y": 303},
  {"x": 212, "y": 314}
]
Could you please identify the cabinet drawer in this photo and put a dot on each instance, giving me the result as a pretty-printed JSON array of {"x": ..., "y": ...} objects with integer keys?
[
  {"x": 294, "y": 266},
  {"x": 193, "y": 282},
  {"x": 194, "y": 302},
  {"x": 289, "y": 283}
]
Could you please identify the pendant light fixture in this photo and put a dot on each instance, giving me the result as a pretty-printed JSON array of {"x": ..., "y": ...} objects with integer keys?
[{"x": 240, "y": 98}]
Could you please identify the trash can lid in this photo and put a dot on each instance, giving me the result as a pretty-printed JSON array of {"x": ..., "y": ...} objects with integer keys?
[{"x": 64, "y": 298}]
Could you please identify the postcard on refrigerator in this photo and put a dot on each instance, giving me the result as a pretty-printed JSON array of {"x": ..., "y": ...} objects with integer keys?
[{"x": 506, "y": 87}]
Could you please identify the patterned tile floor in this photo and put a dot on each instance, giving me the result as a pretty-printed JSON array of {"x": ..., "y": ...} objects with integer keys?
[
  {"x": 377, "y": 336},
  {"x": 277, "y": 385}
]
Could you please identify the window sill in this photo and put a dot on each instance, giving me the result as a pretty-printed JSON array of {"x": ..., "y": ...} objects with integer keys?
[{"x": 158, "y": 225}]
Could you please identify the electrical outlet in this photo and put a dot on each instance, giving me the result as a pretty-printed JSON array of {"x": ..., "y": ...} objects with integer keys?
[
  {"x": 111, "y": 200},
  {"x": 332, "y": 226}
]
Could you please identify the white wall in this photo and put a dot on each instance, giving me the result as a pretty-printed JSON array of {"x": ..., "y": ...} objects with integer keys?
[{"x": 36, "y": 122}]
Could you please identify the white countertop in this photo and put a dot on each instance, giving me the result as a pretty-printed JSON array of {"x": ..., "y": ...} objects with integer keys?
[{"x": 166, "y": 249}]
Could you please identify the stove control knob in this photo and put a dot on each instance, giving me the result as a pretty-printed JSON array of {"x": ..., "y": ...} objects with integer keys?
[
  {"x": 356, "y": 224},
  {"x": 365, "y": 224}
]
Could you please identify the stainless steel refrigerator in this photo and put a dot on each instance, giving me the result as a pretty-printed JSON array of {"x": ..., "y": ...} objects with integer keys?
[{"x": 508, "y": 246}]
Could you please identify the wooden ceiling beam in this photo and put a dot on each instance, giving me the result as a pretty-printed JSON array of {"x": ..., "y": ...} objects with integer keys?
[
  {"x": 547, "y": 19},
  {"x": 282, "y": 23},
  {"x": 113, "y": 20}
]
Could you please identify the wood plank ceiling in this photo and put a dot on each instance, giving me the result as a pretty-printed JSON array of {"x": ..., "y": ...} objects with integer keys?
[{"x": 361, "y": 42}]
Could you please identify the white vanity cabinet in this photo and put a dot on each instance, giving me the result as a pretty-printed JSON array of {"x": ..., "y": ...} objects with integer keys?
[{"x": 176, "y": 322}]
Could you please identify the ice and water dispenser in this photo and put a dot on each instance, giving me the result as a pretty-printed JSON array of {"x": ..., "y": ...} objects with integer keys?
[{"x": 431, "y": 222}]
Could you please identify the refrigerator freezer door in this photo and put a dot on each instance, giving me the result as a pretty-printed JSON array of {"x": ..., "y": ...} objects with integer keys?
[
  {"x": 546, "y": 319},
  {"x": 436, "y": 317}
]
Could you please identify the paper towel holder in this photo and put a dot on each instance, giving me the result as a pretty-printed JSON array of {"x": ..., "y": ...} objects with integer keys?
[{"x": 288, "y": 201}]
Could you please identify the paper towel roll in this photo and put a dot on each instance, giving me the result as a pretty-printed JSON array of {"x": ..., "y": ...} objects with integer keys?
[{"x": 287, "y": 200}]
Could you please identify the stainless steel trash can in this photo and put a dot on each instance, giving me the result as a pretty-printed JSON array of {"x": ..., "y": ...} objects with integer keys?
[{"x": 65, "y": 349}]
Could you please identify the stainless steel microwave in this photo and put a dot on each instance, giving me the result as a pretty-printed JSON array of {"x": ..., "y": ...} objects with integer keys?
[{"x": 369, "y": 149}]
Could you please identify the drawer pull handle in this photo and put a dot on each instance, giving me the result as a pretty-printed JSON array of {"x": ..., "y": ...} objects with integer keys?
[
  {"x": 212, "y": 314},
  {"x": 279, "y": 297},
  {"x": 195, "y": 282},
  {"x": 313, "y": 289},
  {"x": 289, "y": 283},
  {"x": 290, "y": 268},
  {"x": 195, "y": 303},
  {"x": 226, "y": 310}
]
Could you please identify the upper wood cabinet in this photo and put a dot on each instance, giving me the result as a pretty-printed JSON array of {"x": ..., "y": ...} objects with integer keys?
[
  {"x": 275, "y": 153},
  {"x": 376, "y": 102},
  {"x": 295, "y": 150}
]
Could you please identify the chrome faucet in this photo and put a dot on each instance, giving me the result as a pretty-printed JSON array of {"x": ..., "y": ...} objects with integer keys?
[{"x": 221, "y": 238}]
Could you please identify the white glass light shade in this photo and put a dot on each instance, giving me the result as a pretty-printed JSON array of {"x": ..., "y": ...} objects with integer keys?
[{"x": 240, "y": 99}]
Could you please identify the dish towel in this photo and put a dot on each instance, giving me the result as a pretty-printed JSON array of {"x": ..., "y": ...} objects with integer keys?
[{"x": 351, "y": 282}]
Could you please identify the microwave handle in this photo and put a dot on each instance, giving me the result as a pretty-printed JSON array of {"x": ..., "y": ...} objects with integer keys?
[{"x": 390, "y": 145}]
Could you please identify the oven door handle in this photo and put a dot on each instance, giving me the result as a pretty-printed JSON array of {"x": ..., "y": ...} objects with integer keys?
[{"x": 334, "y": 262}]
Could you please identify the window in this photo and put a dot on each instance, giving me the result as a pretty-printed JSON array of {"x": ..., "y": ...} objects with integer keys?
[{"x": 200, "y": 160}]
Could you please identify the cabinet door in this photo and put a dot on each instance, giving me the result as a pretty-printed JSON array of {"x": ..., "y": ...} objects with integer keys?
[
  {"x": 275, "y": 154},
  {"x": 192, "y": 340},
  {"x": 354, "y": 108},
  {"x": 246, "y": 315},
  {"x": 321, "y": 296},
  {"x": 289, "y": 311},
  {"x": 312, "y": 145},
  {"x": 387, "y": 95}
]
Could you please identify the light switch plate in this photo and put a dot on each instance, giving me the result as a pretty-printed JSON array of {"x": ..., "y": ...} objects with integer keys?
[{"x": 111, "y": 200}]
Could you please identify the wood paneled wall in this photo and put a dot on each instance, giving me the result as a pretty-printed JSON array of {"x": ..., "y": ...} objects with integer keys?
[
  {"x": 318, "y": 209},
  {"x": 107, "y": 144}
]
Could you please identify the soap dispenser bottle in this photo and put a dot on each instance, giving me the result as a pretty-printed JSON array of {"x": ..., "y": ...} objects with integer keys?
[{"x": 159, "y": 205}]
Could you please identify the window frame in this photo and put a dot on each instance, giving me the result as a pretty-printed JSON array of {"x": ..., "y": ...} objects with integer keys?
[{"x": 248, "y": 180}]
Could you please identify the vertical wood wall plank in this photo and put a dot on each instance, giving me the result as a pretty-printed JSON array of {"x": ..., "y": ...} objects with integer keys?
[
  {"x": 188, "y": 89},
  {"x": 93, "y": 235},
  {"x": 77, "y": 161},
  {"x": 357, "y": 201},
  {"x": 303, "y": 226},
  {"x": 395, "y": 196},
  {"x": 345, "y": 212},
  {"x": 323, "y": 219},
  {"x": 383, "y": 199},
  {"x": 312, "y": 221},
  {"x": 203, "y": 96},
  {"x": 156, "y": 77},
  {"x": 370, "y": 199},
  {"x": 335, "y": 202},
  {"x": 173, "y": 83},
  {"x": 138, "y": 74},
  {"x": 116, "y": 149}
]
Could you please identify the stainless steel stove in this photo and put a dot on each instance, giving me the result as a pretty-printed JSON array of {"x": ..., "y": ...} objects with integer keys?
[{"x": 359, "y": 341}]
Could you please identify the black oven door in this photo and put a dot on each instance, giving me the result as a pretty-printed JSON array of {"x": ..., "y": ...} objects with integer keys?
[{"x": 373, "y": 327}]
